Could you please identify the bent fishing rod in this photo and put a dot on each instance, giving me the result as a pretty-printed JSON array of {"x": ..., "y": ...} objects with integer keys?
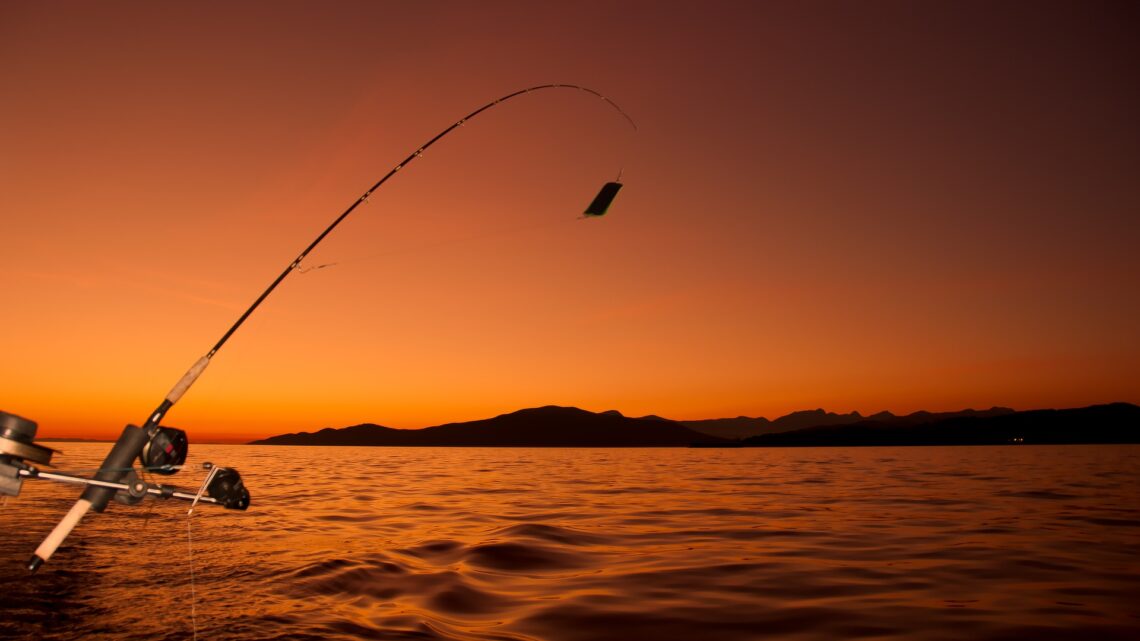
[{"x": 163, "y": 449}]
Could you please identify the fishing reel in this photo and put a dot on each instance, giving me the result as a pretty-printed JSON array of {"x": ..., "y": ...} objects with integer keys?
[
  {"x": 158, "y": 449},
  {"x": 161, "y": 450},
  {"x": 17, "y": 444},
  {"x": 166, "y": 451},
  {"x": 224, "y": 485}
]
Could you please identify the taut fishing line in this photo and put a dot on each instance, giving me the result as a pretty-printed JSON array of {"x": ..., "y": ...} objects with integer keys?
[
  {"x": 190, "y": 562},
  {"x": 449, "y": 242}
]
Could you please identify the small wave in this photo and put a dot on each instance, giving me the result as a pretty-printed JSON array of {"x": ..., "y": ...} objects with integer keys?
[
  {"x": 630, "y": 490},
  {"x": 1039, "y": 494},
  {"x": 347, "y": 518},
  {"x": 464, "y": 599},
  {"x": 586, "y": 621},
  {"x": 516, "y": 557},
  {"x": 1113, "y": 522},
  {"x": 553, "y": 534},
  {"x": 440, "y": 551},
  {"x": 422, "y": 507},
  {"x": 323, "y": 568},
  {"x": 710, "y": 511}
]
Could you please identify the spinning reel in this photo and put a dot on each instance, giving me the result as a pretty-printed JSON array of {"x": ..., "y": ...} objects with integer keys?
[
  {"x": 161, "y": 450},
  {"x": 17, "y": 436}
]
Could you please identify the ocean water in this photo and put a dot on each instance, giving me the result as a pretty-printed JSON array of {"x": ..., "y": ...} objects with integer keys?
[{"x": 1018, "y": 542}]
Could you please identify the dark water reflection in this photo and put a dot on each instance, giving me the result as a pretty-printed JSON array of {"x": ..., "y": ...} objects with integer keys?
[{"x": 584, "y": 544}]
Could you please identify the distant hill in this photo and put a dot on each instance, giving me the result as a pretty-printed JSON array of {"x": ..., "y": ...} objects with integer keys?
[
  {"x": 549, "y": 426},
  {"x": 744, "y": 427},
  {"x": 731, "y": 428},
  {"x": 1113, "y": 423}
]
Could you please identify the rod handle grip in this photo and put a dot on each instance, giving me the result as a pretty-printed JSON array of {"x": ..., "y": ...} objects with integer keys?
[
  {"x": 56, "y": 537},
  {"x": 187, "y": 380}
]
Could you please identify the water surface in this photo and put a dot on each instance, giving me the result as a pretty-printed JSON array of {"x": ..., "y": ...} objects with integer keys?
[{"x": 581, "y": 544}]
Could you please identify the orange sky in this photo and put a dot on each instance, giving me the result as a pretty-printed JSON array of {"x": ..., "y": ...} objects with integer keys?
[{"x": 857, "y": 207}]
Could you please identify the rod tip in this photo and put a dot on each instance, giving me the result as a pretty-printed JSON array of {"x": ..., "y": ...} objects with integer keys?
[{"x": 34, "y": 563}]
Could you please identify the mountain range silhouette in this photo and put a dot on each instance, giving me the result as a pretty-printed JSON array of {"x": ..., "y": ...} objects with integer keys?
[{"x": 554, "y": 426}]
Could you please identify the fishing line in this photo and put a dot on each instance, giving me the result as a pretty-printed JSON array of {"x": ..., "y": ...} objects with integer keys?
[
  {"x": 190, "y": 543},
  {"x": 305, "y": 270},
  {"x": 499, "y": 234},
  {"x": 213, "y": 473},
  {"x": 190, "y": 562},
  {"x": 96, "y": 470}
]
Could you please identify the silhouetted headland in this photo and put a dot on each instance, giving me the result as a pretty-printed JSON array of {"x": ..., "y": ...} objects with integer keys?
[
  {"x": 554, "y": 426},
  {"x": 549, "y": 426}
]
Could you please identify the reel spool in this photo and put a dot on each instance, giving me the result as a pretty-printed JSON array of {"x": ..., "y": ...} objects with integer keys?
[
  {"x": 16, "y": 436},
  {"x": 166, "y": 451},
  {"x": 16, "y": 446},
  {"x": 225, "y": 486}
]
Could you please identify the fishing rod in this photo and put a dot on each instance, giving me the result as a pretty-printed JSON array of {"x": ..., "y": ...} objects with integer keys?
[{"x": 163, "y": 449}]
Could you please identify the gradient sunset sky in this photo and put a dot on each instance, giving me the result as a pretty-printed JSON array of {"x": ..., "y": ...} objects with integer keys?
[{"x": 848, "y": 205}]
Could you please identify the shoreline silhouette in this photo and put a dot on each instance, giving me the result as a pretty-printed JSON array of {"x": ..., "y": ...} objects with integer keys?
[{"x": 555, "y": 426}]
